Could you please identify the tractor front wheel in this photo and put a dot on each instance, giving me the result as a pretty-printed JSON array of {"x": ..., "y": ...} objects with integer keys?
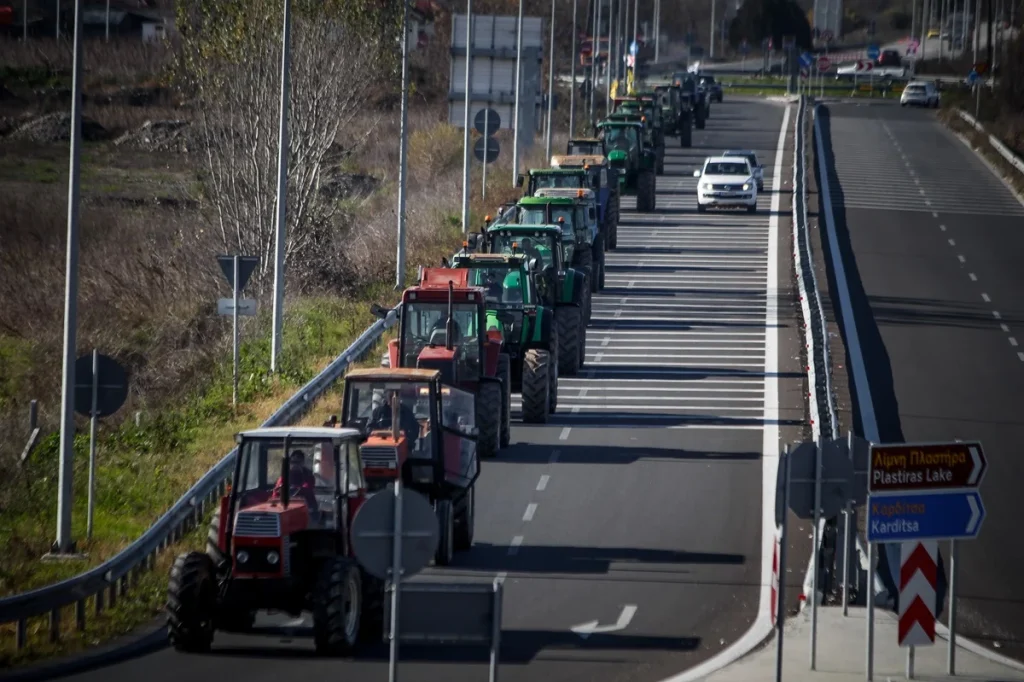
[
  {"x": 465, "y": 523},
  {"x": 598, "y": 265},
  {"x": 660, "y": 169},
  {"x": 191, "y": 602},
  {"x": 488, "y": 418},
  {"x": 686, "y": 133},
  {"x": 337, "y": 607},
  {"x": 567, "y": 319},
  {"x": 536, "y": 386},
  {"x": 584, "y": 258},
  {"x": 505, "y": 374},
  {"x": 446, "y": 540},
  {"x": 645, "y": 192}
]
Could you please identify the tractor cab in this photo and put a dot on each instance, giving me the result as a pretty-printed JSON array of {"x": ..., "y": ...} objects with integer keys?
[
  {"x": 557, "y": 177},
  {"x": 589, "y": 146},
  {"x": 569, "y": 212},
  {"x": 626, "y": 141},
  {"x": 415, "y": 427}
]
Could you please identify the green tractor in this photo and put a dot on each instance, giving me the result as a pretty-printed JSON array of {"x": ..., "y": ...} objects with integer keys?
[
  {"x": 693, "y": 94},
  {"x": 558, "y": 286},
  {"x": 577, "y": 210},
  {"x": 631, "y": 154},
  {"x": 677, "y": 112},
  {"x": 586, "y": 171},
  {"x": 531, "y": 331},
  {"x": 584, "y": 146},
  {"x": 644, "y": 110}
]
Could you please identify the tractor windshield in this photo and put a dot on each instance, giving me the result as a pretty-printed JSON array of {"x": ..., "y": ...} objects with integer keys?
[
  {"x": 534, "y": 247},
  {"x": 315, "y": 473},
  {"x": 424, "y": 325},
  {"x": 586, "y": 148},
  {"x": 548, "y": 214},
  {"x": 504, "y": 285},
  {"x": 620, "y": 137},
  {"x": 558, "y": 181}
]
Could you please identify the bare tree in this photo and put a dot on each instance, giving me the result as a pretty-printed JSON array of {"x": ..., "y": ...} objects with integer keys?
[{"x": 235, "y": 77}]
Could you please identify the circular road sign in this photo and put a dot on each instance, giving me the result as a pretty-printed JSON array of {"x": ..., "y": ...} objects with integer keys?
[
  {"x": 824, "y": 63},
  {"x": 373, "y": 532},
  {"x": 111, "y": 385},
  {"x": 491, "y": 118},
  {"x": 492, "y": 149}
]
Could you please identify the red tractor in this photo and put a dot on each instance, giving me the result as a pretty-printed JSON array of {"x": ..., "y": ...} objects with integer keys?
[
  {"x": 443, "y": 326},
  {"x": 424, "y": 431},
  {"x": 281, "y": 540}
]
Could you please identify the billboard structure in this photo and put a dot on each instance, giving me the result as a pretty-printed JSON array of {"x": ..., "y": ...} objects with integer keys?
[
  {"x": 493, "y": 72},
  {"x": 828, "y": 20}
]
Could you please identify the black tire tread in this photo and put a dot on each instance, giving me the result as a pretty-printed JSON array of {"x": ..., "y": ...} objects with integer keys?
[
  {"x": 536, "y": 382},
  {"x": 329, "y": 634},
  {"x": 191, "y": 595},
  {"x": 488, "y": 419}
]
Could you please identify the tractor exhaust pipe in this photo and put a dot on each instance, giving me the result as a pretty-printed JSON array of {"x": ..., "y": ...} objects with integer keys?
[{"x": 449, "y": 326}]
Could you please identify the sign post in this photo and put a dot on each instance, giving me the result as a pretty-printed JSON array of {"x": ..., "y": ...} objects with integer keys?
[
  {"x": 237, "y": 269},
  {"x": 919, "y": 493}
]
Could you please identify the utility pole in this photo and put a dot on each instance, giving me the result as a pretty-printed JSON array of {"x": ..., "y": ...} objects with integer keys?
[
  {"x": 657, "y": 30},
  {"x": 595, "y": 42},
  {"x": 280, "y": 237},
  {"x": 519, "y": 73},
  {"x": 403, "y": 152},
  {"x": 65, "y": 495},
  {"x": 608, "y": 66},
  {"x": 465, "y": 132},
  {"x": 572, "y": 75},
  {"x": 711, "y": 52},
  {"x": 632, "y": 38},
  {"x": 551, "y": 85}
]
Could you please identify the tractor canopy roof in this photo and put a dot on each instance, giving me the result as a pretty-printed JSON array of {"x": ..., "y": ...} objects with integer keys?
[
  {"x": 547, "y": 200},
  {"x": 622, "y": 122},
  {"x": 298, "y": 432},
  {"x": 564, "y": 193},
  {"x": 556, "y": 170},
  {"x": 393, "y": 374},
  {"x": 534, "y": 230},
  {"x": 576, "y": 162},
  {"x": 585, "y": 140}
]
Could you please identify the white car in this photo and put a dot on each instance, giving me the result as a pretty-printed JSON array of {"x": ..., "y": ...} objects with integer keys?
[
  {"x": 920, "y": 93},
  {"x": 750, "y": 156},
  {"x": 726, "y": 182}
]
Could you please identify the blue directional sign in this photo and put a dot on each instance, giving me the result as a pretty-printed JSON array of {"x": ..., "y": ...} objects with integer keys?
[
  {"x": 973, "y": 77},
  {"x": 873, "y": 51},
  {"x": 806, "y": 60},
  {"x": 633, "y": 48},
  {"x": 901, "y": 517}
]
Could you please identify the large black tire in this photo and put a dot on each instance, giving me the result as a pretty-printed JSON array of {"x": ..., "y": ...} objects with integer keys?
[
  {"x": 446, "y": 533},
  {"x": 337, "y": 607},
  {"x": 488, "y": 419},
  {"x": 701, "y": 208},
  {"x": 660, "y": 167},
  {"x": 536, "y": 386},
  {"x": 598, "y": 265},
  {"x": 699, "y": 121},
  {"x": 584, "y": 260},
  {"x": 466, "y": 521},
  {"x": 192, "y": 602},
  {"x": 567, "y": 319},
  {"x": 212, "y": 534},
  {"x": 686, "y": 133},
  {"x": 645, "y": 191},
  {"x": 554, "y": 346},
  {"x": 505, "y": 374}
]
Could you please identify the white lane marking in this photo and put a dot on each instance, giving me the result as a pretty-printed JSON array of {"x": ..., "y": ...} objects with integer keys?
[
  {"x": 952, "y": 242},
  {"x": 1004, "y": 327},
  {"x": 974, "y": 278},
  {"x": 934, "y": 214},
  {"x": 961, "y": 258},
  {"x": 985, "y": 297},
  {"x": 927, "y": 202},
  {"x": 584, "y": 630},
  {"x": 1020, "y": 356},
  {"x": 1013, "y": 341},
  {"x": 531, "y": 509},
  {"x": 543, "y": 482},
  {"x": 922, "y": 192},
  {"x": 514, "y": 547},
  {"x": 598, "y": 356},
  {"x": 995, "y": 314},
  {"x": 501, "y": 577},
  {"x": 942, "y": 227},
  {"x": 605, "y": 342},
  {"x": 565, "y": 433},
  {"x": 555, "y": 454}
]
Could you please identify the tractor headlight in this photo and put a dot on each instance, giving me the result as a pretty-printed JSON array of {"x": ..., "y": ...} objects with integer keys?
[
  {"x": 273, "y": 558},
  {"x": 746, "y": 186},
  {"x": 242, "y": 556}
]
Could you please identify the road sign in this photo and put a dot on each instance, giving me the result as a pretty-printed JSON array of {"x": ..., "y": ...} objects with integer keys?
[
  {"x": 492, "y": 149},
  {"x": 111, "y": 385},
  {"x": 899, "y": 517},
  {"x": 373, "y": 532},
  {"x": 973, "y": 77},
  {"x": 873, "y": 52},
  {"x": 806, "y": 59},
  {"x": 824, "y": 64},
  {"x": 246, "y": 266},
  {"x": 246, "y": 306},
  {"x": 919, "y": 577},
  {"x": 488, "y": 117},
  {"x": 826, "y": 35},
  {"x": 633, "y": 48},
  {"x": 926, "y": 466},
  {"x": 863, "y": 65},
  {"x": 981, "y": 68},
  {"x": 836, "y": 479}
]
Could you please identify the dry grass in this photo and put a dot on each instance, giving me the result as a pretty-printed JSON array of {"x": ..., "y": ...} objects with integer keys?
[{"x": 119, "y": 63}]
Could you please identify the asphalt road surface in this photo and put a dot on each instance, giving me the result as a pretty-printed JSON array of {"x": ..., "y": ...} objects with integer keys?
[
  {"x": 644, "y": 497},
  {"x": 932, "y": 245}
]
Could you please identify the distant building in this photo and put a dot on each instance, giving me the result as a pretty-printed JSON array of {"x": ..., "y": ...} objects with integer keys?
[{"x": 423, "y": 15}]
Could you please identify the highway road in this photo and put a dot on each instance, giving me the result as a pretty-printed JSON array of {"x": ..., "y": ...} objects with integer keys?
[
  {"x": 645, "y": 495},
  {"x": 931, "y": 242}
]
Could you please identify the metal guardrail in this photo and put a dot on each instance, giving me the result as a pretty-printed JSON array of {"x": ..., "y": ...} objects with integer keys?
[
  {"x": 113, "y": 577},
  {"x": 996, "y": 144},
  {"x": 822, "y": 403}
]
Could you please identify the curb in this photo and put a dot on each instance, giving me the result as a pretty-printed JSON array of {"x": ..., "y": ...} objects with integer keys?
[{"x": 148, "y": 639}]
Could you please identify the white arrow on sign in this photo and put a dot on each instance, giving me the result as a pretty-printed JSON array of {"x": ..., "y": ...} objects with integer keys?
[
  {"x": 976, "y": 460},
  {"x": 975, "y": 514},
  {"x": 587, "y": 629}
]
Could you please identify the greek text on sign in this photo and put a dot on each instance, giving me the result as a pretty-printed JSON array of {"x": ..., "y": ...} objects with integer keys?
[
  {"x": 926, "y": 466},
  {"x": 900, "y": 517}
]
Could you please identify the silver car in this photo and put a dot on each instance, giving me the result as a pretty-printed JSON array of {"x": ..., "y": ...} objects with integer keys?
[
  {"x": 750, "y": 156},
  {"x": 920, "y": 93}
]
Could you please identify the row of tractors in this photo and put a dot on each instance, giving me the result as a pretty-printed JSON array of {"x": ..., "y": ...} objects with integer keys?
[{"x": 508, "y": 313}]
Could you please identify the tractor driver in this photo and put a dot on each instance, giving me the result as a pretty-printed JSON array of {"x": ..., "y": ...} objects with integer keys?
[
  {"x": 442, "y": 325},
  {"x": 301, "y": 481},
  {"x": 407, "y": 421}
]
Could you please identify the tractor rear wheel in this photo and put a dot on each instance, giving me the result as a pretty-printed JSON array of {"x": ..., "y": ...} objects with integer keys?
[
  {"x": 584, "y": 258},
  {"x": 699, "y": 121},
  {"x": 660, "y": 169},
  {"x": 446, "y": 527},
  {"x": 337, "y": 607},
  {"x": 645, "y": 191},
  {"x": 505, "y": 374},
  {"x": 488, "y": 418},
  {"x": 465, "y": 523},
  {"x": 191, "y": 602},
  {"x": 598, "y": 265},
  {"x": 212, "y": 540},
  {"x": 554, "y": 348},
  {"x": 567, "y": 318},
  {"x": 536, "y": 386},
  {"x": 686, "y": 133}
]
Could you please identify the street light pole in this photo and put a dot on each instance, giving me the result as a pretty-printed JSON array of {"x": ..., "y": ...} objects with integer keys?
[
  {"x": 519, "y": 73},
  {"x": 465, "y": 133},
  {"x": 276, "y": 336},
  {"x": 403, "y": 152},
  {"x": 551, "y": 84},
  {"x": 572, "y": 75}
]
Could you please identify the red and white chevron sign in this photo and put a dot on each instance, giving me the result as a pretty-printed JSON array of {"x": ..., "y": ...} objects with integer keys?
[
  {"x": 775, "y": 581},
  {"x": 919, "y": 571},
  {"x": 864, "y": 65}
]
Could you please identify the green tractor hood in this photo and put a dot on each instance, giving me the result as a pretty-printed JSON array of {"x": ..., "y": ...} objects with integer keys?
[{"x": 617, "y": 156}]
